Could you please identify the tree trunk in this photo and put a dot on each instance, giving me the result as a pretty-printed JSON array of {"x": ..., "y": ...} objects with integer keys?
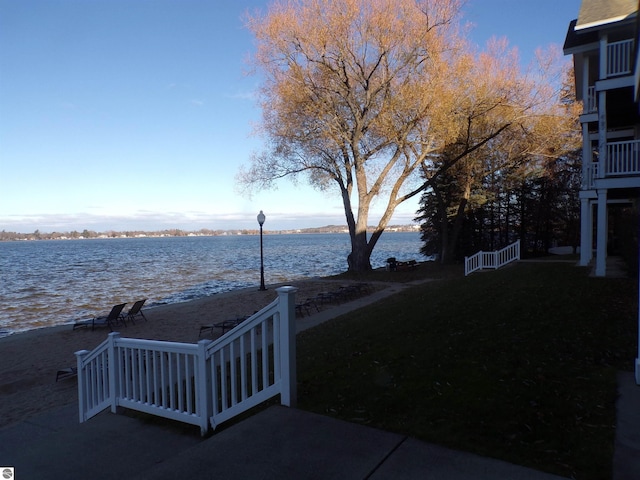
[
  {"x": 458, "y": 221},
  {"x": 359, "y": 259}
]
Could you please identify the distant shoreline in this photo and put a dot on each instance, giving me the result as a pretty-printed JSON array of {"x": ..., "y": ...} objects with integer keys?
[{"x": 92, "y": 235}]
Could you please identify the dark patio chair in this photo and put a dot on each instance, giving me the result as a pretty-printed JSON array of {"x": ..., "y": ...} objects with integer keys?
[
  {"x": 306, "y": 307},
  {"x": 224, "y": 325},
  {"x": 114, "y": 318},
  {"x": 66, "y": 372},
  {"x": 135, "y": 311}
]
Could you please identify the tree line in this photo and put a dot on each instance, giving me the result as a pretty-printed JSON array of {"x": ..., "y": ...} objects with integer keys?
[
  {"x": 520, "y": 185},
  {"x": 540, "y": 207}
]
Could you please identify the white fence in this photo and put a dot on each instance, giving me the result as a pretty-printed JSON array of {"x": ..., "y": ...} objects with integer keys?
[
  {"x": 494, "y": 260},
  {"x": 202, "y": 384}
]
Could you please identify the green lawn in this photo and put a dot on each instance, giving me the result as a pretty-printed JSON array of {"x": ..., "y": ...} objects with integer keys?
[{"x": 518, "y": 364}]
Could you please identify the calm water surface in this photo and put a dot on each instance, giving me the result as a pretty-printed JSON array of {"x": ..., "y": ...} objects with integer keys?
[{"x": 46, "y": 283}]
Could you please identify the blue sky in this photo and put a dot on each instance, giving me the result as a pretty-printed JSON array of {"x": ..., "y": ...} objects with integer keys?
[{"x": 136, "y": 114}]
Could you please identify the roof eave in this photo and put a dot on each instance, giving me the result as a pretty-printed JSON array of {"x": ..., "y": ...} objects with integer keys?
[{"x": 608, "y": 21}]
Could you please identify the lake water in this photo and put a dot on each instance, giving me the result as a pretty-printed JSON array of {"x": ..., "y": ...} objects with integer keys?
[{"x": 46, "y": 283}]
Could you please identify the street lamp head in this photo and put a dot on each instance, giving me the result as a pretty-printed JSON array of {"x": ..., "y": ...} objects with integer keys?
[{"x": 261, "y": 218}]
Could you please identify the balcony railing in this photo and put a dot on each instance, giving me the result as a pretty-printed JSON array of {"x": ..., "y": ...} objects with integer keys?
[
  {"x": 590, "y": 103},
  {"x": 623, "y": 158},
  {"x": 589, "y": 176},
  {"x": 619, "y": 58}
]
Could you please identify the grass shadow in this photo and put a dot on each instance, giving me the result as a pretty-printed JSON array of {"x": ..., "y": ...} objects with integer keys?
[{"x": 518, "y": 364}]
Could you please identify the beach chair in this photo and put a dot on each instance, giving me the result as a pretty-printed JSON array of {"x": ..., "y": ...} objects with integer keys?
[
  {"x": 114, "y": 317},
  {"x": 306, "y": 307},
  {"x": 224, "y": 325},
  {"x": 136, "y": 310},
  {"x": 66, "y": 372}
]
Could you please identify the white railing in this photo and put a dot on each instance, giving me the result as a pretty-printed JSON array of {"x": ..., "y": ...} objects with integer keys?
[
  {"x": 623, "y": 158},
  {"x": 201, "y": 384},
  {"x": 255, "y": 361},
  {"x": 590, "y": 174},
  {"x": 619, "y": 58},
  {"x": 492, "y": 260},
  {"x": 95, "y": 394},
  {"x": 159, "y": 378},
  {"x": 590, "y": 104}
]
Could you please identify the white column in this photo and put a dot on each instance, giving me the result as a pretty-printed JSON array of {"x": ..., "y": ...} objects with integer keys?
[
  {"x": 602, "y": 134},
  {"x": 585, "y": 86},
  {"x": 603, "y": 56},
  {"x": 587, "y": 159},
  {"x": 601, "y": 234},
  {"x": 586, "y": 232},
  {"x": 601, "y": 231}
]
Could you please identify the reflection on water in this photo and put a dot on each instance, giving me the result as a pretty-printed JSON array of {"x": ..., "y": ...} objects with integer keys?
[{"x": 55, "y": 282}]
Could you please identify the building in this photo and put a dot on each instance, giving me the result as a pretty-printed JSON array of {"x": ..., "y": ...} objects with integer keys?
[{"x": 604, "y": 43}]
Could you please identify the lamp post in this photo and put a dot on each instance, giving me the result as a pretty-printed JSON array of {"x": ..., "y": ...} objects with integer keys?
[{"x": 261, "y": 219}]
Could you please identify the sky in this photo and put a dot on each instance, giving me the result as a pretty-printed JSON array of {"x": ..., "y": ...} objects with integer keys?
[{"x": 137, "y": 114}]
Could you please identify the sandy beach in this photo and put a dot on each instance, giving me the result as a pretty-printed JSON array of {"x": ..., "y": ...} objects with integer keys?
[{"x": 31, "y": 359}]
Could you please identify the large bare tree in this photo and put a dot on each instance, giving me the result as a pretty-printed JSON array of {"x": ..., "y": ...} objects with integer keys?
[
  {"x": 367, "y": 95},
  {"x": 346, "y": 85}
]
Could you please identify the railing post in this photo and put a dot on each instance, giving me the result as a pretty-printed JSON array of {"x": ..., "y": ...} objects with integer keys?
[
  {"x": 114, "y": 370},
  {"x": 81, "y": 383},
  {"x": 287, "y": 308},
  {"x": 204, "y": 400}
]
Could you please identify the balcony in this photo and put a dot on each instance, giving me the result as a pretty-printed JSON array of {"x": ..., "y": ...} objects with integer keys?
[
  {"x": 617, "y": 63},
  {"x": 623, "y": 160},
  {"x": 590, "y": 173},
  {"x": 619, "y": 58},
  {"x": 590, "y": 101}
]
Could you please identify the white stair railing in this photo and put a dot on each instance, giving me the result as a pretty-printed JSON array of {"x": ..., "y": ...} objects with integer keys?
[
  {"x": 201, "y": 384},
  {"x": 254, "y": 362},
  {"x": 94, "y": 387},
  {"x": 494, "y": 260}
]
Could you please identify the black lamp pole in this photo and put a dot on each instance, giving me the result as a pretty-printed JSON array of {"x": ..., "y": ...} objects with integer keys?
[{"x": 261, "y": 219}]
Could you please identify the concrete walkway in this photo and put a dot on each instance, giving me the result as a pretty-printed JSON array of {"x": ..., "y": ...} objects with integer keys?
[
  {"x": 626, "y": 458},
  {"x": 275, "y": 443}
]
